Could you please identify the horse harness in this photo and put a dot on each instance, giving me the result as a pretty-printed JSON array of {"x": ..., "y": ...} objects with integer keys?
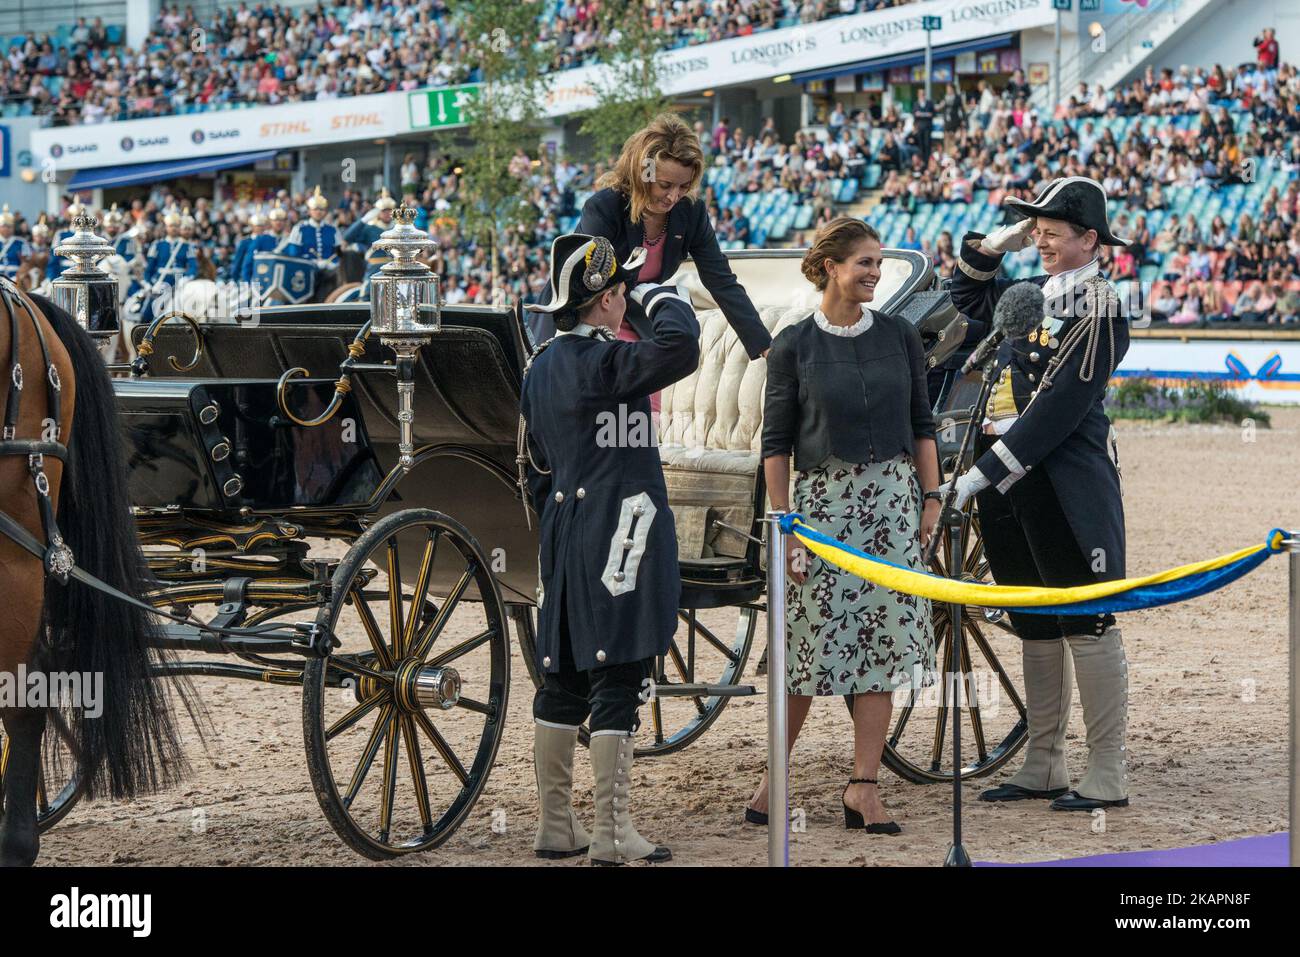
[{"x": 57, "y": 557}]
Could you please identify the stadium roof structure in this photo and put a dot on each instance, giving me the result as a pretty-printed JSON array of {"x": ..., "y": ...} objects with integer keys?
[
  {"x": 906, "y": 59},
  {"x": 132, "y": 173}
]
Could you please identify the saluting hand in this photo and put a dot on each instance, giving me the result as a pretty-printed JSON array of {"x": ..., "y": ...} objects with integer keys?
[{"x": 1009, "y": 239}]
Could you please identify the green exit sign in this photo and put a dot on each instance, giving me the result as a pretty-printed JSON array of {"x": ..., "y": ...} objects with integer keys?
[{"x": 435, "y": 109}]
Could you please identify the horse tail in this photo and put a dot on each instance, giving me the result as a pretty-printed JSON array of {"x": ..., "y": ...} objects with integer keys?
[{"x": 132, "y": 746}]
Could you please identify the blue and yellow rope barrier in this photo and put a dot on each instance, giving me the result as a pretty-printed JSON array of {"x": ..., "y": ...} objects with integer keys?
[{"x": 1125, "y": 594}]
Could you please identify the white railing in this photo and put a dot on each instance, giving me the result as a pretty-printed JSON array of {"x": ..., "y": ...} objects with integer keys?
[{"x": 1125, "y": 38}]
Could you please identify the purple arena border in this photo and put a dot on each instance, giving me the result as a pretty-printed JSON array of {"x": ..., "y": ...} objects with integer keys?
[{"x": 1268, "y": 850}]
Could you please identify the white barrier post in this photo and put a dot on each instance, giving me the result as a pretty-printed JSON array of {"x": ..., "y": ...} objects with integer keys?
[
  {"x": 1292, "y": 544},
  {"x": 778, "y": 803}
]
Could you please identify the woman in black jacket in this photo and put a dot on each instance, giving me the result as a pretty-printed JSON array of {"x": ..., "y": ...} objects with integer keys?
[
  {"x": 846, "y": 394},
  {"x": 649, "y": 200}
]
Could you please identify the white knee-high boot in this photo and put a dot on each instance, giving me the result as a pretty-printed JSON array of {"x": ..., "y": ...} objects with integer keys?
[
  {"x": 1101, "y": 669},
  {"x": 559, "y": 832},
  {"x": 1049, "y": 683},
  {"x": 615, "y": 840}
]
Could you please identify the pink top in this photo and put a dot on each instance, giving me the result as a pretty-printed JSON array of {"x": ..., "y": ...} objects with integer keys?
[{"x": 649, "y": 272}]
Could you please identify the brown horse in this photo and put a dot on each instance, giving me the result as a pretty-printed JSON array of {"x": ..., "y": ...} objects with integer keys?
[{"x": 126, "y": 742}]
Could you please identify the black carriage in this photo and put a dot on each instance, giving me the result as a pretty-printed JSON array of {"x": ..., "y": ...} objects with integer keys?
[{"x": 269, "y": 487}]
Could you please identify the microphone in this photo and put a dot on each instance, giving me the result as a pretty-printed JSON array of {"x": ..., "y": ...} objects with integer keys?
[{"x": 1019, "y": 309}]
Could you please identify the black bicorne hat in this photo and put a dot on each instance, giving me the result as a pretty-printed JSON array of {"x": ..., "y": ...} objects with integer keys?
[
  {"x": 582, "y": 267},
  {"x": 1074, "y": 199}
]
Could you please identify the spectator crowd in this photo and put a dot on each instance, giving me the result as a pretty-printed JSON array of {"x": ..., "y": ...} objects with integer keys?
[
  {"x": 1161, "y": 145},
  {"x": 263, "y": 54}
]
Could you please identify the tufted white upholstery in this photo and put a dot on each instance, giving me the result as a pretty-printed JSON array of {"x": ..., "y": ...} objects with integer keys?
[{"x": 711, "y": 423}]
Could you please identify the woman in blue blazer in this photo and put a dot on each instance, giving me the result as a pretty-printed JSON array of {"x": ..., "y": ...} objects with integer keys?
[{"x": 650, "y": 199}]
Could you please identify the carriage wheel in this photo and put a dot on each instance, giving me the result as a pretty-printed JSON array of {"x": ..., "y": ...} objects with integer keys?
[
  {"x": 994, "y": 726},
  {"x": 59, "y": 785},
  {"x": 403, "y": 720},
  {"x": 711, "y": 646}
]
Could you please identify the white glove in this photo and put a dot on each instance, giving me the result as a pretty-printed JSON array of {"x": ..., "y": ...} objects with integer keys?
[
  {"x": 968, "y": 484},
  {"x": 1009, "y": 239},
  {"x": 639, "y": 291}
]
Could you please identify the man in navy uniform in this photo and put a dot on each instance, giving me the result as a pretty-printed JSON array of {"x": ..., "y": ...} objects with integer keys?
[
  {"x": 13, "y": 249},
  {"x": 126, "y": 245},
  {"x": 608, "y": 557},
  {"x": 55, "y": 265},
  {"x": 1047, "y": 483},
  {"x": 169, "y": 259},
  {"x": 366, "y": 230},
  {"x": 265, "y": 239},
  {"x": 241, "y": 263}
]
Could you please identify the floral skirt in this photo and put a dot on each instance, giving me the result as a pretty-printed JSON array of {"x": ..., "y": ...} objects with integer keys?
[{"x": 845, "y": 635}]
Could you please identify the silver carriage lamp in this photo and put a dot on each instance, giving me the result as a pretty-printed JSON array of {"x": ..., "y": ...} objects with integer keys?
[
  {"x": 397, "y": 292},
  {"x": 86, "y": 291}
]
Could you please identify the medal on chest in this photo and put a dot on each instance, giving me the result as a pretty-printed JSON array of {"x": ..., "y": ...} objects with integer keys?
[{"x": 1045, "y": 334}]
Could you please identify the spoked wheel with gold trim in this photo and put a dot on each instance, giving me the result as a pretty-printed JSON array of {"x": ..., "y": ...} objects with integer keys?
[
  {"x": 918, "y": 746},
  {"x": 404, "y": 719},
  {"x": 58, "y": 784}
]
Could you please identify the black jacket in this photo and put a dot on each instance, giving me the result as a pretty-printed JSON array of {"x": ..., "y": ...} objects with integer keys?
[
  {"x": 689, "y": 233},
  {"x": 608, "y": 549},
  {"x": 1066, "y": 430},
  {"x": 860, "y": 399}
]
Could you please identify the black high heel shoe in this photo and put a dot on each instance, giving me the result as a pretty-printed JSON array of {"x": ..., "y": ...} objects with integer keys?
[{"x": 854, "y": 821}]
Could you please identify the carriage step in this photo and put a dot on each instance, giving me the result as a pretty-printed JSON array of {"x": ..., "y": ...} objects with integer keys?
[{"x": 703, "y": 691}]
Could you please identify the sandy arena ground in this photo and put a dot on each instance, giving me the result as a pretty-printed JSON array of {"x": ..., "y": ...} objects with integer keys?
[{"x": 1207, "y": 726}]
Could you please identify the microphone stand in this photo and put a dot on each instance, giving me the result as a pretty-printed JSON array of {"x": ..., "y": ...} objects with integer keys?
[{"x": 953, "y": 521}]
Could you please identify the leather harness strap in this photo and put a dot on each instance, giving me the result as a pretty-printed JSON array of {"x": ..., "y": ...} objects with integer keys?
[
  {"x": 14, "y": 405},
  {"x": 58, "y": 558}
]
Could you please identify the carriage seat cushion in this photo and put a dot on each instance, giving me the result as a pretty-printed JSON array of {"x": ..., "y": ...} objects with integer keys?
[{"x": 710, "y": 433}]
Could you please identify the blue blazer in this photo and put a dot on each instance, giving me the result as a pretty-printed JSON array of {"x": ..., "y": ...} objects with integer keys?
[{"x": 608, "y": 213}]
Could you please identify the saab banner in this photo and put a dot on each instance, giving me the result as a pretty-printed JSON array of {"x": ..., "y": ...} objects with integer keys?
[{"x": 287, "y": 126}]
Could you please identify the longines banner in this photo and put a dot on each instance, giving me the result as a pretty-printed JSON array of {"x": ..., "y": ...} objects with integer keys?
[
  {"x": 688, "y": 70},
  {"x": 228, "y": 131},
  {"x": 827, "y": 43}
]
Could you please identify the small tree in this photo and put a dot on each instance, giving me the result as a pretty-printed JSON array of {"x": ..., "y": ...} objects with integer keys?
[
  {"x": 632, "y": 92},
  {"x": 505, "y": 116}
]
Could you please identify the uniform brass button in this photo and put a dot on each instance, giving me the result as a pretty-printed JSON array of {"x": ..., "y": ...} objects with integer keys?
[
  {"x": 628, "y": 543},
  {"x": 638, "y": 511},
  {"x": 1032, "y": 377},
  {"x": 581, "y": 493},
  {"x": 600, "y": 655},
  {"x": 619, "y": 576},
  {"x": 546, "y": 662},
  {"x": 559, "y": 496},
  {"x": 1034, "y": 357}
]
